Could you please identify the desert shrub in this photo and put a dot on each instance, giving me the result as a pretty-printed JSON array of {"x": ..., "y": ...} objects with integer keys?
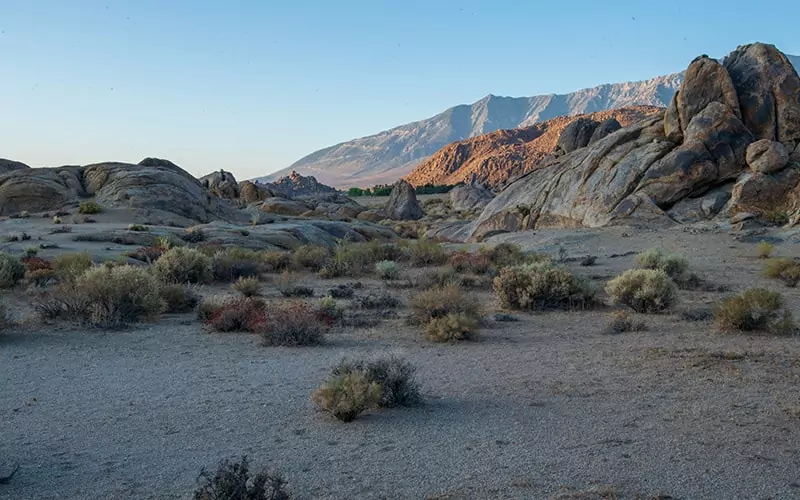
[
  {"x": 394, "y": 375},
  {"x": 756, "y": 309},
  {"x": 312, "y": 257},
  {"x": 441, "y": 277},
  {"x": 35, "y": 263},
  {"x": 11, "y": 270},
  {"x": 697, "y": 314},
  {"x": 57, "y": 219},
  {"x": 764, "y": 249},
  {"x": 146, "y": 254},
  {"x": 193, "y": 234},
  {"x": 89, "y": 208},
  {"x": 352, "y": 259},
  {"x": 65, "y": 302},
  {"x": 239, "y": 314},
  {"x": 31, "y": 251},
  {"x": 383, "y": 300},
  {"x": 183, "y": 265},
  {"x": 227, "y": 265},
  {"x": 427, "y": 253},
  {"x": 120, "y": 294},
  {"x": 5, "y": 321},
  {"x": 328, "y": 310},
  {"x": 509, "y": 254},
  {"x": 542, "y": 286},
  {"x": 440, "y": 302},
  {"x": 643, "y": 290},
  {"x": 41, "y": 278},
  {"x": 347, "y": 395},
  {"x": 232, "y": 481},
  {"x": 69, "y": 266},
  {"x": 287, "y": 285},
  {"x": 785, "y": 270},
  {"x": 178, "y": 298},
  {"x": 343, "y": 291},
  {"x": 276, "y": 261},
  {"x": 589, "y": 260},
  {"x": 676, "y": 266},
  {"x": 452, "y": 327},
  {"x": 247, "y": 287},
  {"x": 293, "y": 323},
  {"x": 141, "y": 228},
  {"x": 387, "y": 269},
  {"x": 622, "y": 322},
  {"x": 466, "y": 262}
]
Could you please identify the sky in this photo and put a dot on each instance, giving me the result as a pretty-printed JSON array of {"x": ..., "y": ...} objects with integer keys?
[{"x": 253, "y": 86}]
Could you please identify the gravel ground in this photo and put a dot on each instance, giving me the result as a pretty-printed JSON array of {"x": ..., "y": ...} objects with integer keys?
[{"x": 545, "y": 405}]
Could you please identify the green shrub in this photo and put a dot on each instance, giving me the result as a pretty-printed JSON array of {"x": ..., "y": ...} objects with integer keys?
[
  {"x": 232, "y": 481},
  {"x": 328, "y": 310},
  {"x": 441, "y": 277},
  {"x": 643, "y": 290},
  {"x": 676, "y": 266},
  {"x": 756, "y": 309},
  {"x": 89, "y": 208},
  {"x": 347, "y": 395},
  {"x": 542, "y": 286},
  {"x": 193, "y": 234},
  {"x": 69, "y": 266},
  {"x": 247, "y": 287},
  {"x": 138, "y": 228},
  {"x": 183, "y": 265},
  {"x": 276, "y": 261},
  {"x": 120, "y": 295},
  {"x": 57, "y": 220},
  {"x": 394, "y": 375},
  {"x": 764, "y": 249},
  {"x": 440, "y": 302},
  {"x": 355, "y": 259},
  {"x": 178, "y": 298},
  {"x": 11, "y": 270},
  {"x": 785, "y": 270},
  {"x": 382, "y": 300},
  {"x": 233, "y": 263},
  {"x": 5, "y": 321},
  {"x": 31, "y": 251},
  {"x": 312, "y": 257},
  {"x": 452, "y": 327},
  {"x": 428, "y": 253},
  {"x": 387, "y": 270}
]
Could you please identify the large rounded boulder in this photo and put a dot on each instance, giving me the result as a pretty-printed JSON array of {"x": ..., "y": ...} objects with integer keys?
[{"x": 403, "y": 203}]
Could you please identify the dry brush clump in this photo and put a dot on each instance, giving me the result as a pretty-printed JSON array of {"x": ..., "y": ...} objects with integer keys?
[
  {"x": 643, "y": 290},
  {"x": 622, "y": 322},
  {"x": 237, "y": 314},
  {"x": 287, "y": 285},
  {"x": 394, "y": 375},
  {"x": 231, "y": 263},
  {"x": 311, "y": 257},
  {"x": 510, "y": 254},
  {"x": 785, "y": 270},
  {"x": 11, "y": 270},
  {"x": 347, "y": 395},
  {"x": 674, "y": 265},
  {"x": 542, "y": 286},
  {"x": 89, "y": 208},
  {"x": 69, "y": 266},
  {"x": 233, "y": 481},
  {"x": 388, "y": 270},
  {"x": 178, "y": 298},
  {"x": 764, "y": 249},
  {"x": 247, "y": 287},
  {"x": 183, "y": 265},
  {"x": 446, "y": 314},
  {"x": 754, "y": 310},
  {"x": 467, "y": 262}
]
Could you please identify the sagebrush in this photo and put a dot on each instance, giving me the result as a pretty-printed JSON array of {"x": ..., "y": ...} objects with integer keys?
[{"x": 643, "y": 290}]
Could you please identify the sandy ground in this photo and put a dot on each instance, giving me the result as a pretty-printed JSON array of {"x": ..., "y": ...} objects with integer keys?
[{"x": 545, "y": 405}]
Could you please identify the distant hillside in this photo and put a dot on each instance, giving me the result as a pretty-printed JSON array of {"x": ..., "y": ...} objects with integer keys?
[
  {"x": 495, "y": 157},
  {"x": 391, "y": 154}
]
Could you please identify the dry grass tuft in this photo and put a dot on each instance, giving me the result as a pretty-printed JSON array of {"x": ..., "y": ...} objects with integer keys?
[
  {"x": 754, "y": 310},
  {"x": 347, "y": 395},
  {"x": 643, "y": 290}
]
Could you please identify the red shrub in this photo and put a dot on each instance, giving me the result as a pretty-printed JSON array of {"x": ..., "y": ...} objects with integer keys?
[
  {"x": 240, "y": 314},
  {"x": 470, "y": 262},
  {"x": 147, "y": 254},
  {"x": 36, "y": 263}
]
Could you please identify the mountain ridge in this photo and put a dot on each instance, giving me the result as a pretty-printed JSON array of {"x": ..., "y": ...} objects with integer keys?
[{"x": 393, "y": 153}]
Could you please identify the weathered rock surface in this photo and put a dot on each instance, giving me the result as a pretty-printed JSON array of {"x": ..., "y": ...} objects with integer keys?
[
  {"x": 469, "y": 197},
  {"x": 252, "y": 192},
  {"x": 767, "y": 156},
  {"x": 39, "y": 189},
  {"x": 658, "y": 171},
  {"x": 222, "y": 184},
  {"x": 283, "y": 206},
  {"x": 576, "y": 135},
  {"x": 605, "y": 128},
  {"x": 403, "y": 203},
  {"x": 9, "y": 165},
  {"x": 295, "y": 185}
]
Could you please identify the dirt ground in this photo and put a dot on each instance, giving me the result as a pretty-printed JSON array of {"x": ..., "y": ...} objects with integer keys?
[{"x": 549, "y": 406}]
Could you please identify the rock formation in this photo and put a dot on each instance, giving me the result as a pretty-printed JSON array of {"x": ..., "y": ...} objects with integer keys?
[
  {"x": 222, "y": 184},
  {"x": 678, "y": 166},
  {"x": 403, "y": 204},
  {"x": 295, "y": 185},
  {"x": 469, "y": 197}
]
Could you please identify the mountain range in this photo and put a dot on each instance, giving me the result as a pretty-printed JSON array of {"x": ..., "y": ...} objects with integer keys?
[{"x": 391, "y": 154}]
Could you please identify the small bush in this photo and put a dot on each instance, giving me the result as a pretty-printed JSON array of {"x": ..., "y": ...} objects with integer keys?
[
  {"x": 509, "y": 254},
  {"x": 240, "y": 314},
  {"x": 120, "y": 295},
  {"x": 178, "y": 298},
  {"x": 427, "y": 253},
  {"x": 643, "y": 290},
  {"x": 62, "y": 230},
  {"x": 440, "y": 302},
  {"x": 785, "y": 270},
  {"x": 276, "y": 261},
  {"x": 384, "y": 300},
  {"x": 394, "y": 375},
  {"x": 69, "y": 266},
  {"x": 232, "y": 481},
  {"x": 452, "y": 327},
  {"x": 676, "y": 266},
  {"x": 287, "y": 286},
  {"x": 229, "y": 264},
  {"x": 138, "y": 228},
  {"x": 11, "y": 270},
  {"x": 31, "y": 251},
  {"x": 89, "y": 208},
  {"x": 589, "y": 260},
  {"x": 41, "y": 278},
  {"x": 622, "y": 322},
  {"x": 146, "y": 254},
  {"x": 292, "y": 323},
  {"x": 193, "y": 234},
  {"x": 57, "y": 220},
  {"x": 764, "y": 249},
  {"x": 342, "y": 292},
  {"x": 35, "y": 263},
  {"x": 183, "y": 265},
  {"x": 466, "y": 262},
  {"x": 387, "y": 270},
  {"x": 311, "y": 257},
  {"x": 347, "y": 395},
  {"x": 352, "y": 259},
  {"x": 328, "y": 311},
  {"x": 65, "y": 302},
  {"x": 756, "y": 309},
  {"x": 542, "y": 286},
  {"x": 247, "y": 287},
  {"x": 5, "y": 321}
]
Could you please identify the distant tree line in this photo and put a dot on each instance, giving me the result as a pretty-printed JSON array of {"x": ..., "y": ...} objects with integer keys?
[{"x": 386, "y": 190}]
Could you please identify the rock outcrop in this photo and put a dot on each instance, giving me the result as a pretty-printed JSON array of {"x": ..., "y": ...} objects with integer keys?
[
  {"x": 403, "y": 203},
  {"x": 576, "y": 135},
  {"x": 660, "y": 170},
  {"x": 10, "y": 165},
  {"x": 295, "y": 185},
  {"x": 221, "y": 184},
  {"x": 469, "y": 197}
]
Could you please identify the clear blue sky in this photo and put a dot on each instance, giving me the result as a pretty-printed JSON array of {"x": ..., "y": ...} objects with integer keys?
[{"x": 252, "y": 86}]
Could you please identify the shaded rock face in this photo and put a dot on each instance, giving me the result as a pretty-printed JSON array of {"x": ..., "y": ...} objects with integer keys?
[
  {"x": 10, "y": 165},
  {"x": 658, "y": 171},
  {"x": 221, "y": 184},
  {"x": 403, "y": 203},
  {"x": 469, "y": 197},
  {"x": 605, "y": 128},
  {"x": 253, "y": 192},
  {"x": 39, "y": 189},
  {"x": 767, "y": 156},
  {"x": 576, "y": 135},
  {"x": 283, "y": 206},
  {"x": 295, "y": 185}
]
